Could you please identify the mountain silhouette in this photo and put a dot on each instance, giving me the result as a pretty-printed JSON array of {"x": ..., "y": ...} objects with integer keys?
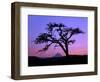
[{"x": 57, "y": 55}]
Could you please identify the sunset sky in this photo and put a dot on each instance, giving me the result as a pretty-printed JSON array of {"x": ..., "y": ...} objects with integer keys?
[{"x": 37, "y": 25}]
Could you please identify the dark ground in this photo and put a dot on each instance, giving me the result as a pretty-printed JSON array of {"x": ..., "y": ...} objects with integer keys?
[{"x": 70, "y": 60}]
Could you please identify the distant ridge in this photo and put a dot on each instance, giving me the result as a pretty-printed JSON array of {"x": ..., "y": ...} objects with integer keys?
[{"x": 57, "y": 55}]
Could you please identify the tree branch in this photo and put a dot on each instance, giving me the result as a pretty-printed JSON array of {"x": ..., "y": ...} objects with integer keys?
[
  {"x": 71, "y": 41},
  {"x": 45, "y": 48}
]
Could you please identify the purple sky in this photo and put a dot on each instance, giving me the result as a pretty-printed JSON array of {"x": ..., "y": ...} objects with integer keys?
[{"x": 37, "y": 25}]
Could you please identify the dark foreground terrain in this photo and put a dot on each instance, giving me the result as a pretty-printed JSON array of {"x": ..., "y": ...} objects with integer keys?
[{"x": 72, "y": 59}]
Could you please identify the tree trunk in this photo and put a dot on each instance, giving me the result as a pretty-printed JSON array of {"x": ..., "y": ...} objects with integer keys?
[
  {"x": 65, "y": 49},
  {"x": 67, "y": 53}
]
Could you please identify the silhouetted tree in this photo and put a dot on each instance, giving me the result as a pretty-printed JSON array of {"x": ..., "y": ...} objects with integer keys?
[{"x": 59, "y": 35}]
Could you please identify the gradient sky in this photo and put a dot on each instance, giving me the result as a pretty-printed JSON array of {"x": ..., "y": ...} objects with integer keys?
[{"x": 37, "y": 25}]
